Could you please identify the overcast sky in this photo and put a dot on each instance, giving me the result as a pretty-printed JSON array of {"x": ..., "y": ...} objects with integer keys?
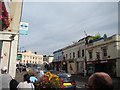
[{"x": 54, "y": 25}]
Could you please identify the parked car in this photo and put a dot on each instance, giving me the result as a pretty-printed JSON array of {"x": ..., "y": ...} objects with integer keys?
[
  {"x": 64, "y": 73},
  {"x": 54, "y": 72},
  {"x": 68, "y": 82}
]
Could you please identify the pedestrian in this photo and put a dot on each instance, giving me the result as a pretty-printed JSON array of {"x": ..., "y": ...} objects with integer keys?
[
  {"x": 100, "y": 81},
  {"x": 13, "y": 84},
  {"x": 5, "y": 79},
  {"x": 33, "y": 77},
  {"x": 27, "y": 69},
  {"x": 26, "y": 84},
  {"x": 40, "y": 72}
]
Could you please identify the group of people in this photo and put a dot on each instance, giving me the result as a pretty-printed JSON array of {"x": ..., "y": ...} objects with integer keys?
[
  {"x": 29, "y": 78},
  {"x": 97, "y": 81}
]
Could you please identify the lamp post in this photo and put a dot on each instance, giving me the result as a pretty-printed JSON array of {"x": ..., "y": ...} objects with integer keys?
[{"x": 85, "y": 59}]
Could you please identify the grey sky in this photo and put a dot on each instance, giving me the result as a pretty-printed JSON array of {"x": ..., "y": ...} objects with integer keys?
[{"x": 54, "y": 25}]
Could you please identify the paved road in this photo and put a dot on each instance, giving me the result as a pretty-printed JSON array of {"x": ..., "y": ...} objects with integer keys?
[
  {"x": 19, "y": 76},
  {"x": 80, "y": 80}
]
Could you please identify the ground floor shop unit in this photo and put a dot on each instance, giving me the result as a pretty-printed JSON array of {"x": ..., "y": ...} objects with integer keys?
[{"x": 108, "y": 66}]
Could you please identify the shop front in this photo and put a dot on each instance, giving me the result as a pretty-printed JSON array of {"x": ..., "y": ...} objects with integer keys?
[
  {"x": 57, "y": 65},
  {"x": 108, "y": 66}
]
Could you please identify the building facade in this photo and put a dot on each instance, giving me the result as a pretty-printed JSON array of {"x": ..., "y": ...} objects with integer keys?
[
  {"x": 58, "y": 58},
  {"x": 88, "y": 56},
  {"x": 48, "y": 59},
  {"x": 47, "y": 62},
  {"x": 28, "y": 57},
  {"x": 9, "y": 34},
  {"x": 103, "y": 55}
]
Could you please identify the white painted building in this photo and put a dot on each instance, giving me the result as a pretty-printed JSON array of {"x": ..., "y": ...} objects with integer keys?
[
  {"x": 31, "y": 58},
  {"x": 103, "y": 55},
  {"x": 87, "y": 57}
]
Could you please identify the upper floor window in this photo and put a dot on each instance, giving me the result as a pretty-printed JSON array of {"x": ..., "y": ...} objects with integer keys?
[
  {"x": 63, "y": 57},
  {"x": 24, "y": 56},
  {"x": 98, "y": 55},
  {"x": 78, "y": 54},
  {"x": 70, "y": 55},
  {"x": 66, "y": 56},
  {"x": 83, "y": 53},
  {"x": 104, "y": 49},
  {"x": 73, "y": 54},
  {"x": 90, "y": 55},
  {"x": 58, "y": 57}
]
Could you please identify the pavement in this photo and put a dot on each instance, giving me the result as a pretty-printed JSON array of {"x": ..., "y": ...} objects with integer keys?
[{"x": 19, "y": 76}]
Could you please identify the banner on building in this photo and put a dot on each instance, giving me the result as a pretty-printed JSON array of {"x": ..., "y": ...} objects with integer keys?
[{"x": 23, "y": 28}]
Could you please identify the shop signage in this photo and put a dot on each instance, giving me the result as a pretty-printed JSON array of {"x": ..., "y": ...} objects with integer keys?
[{"x": 103, "y": 61}]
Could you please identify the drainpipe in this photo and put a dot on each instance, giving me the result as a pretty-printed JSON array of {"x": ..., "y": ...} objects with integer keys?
[{"x": 85, "y": 67}]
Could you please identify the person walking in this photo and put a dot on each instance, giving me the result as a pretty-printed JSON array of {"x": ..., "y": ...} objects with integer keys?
[
  {"x": 100, "y": 81},
  {"x": 5, "y": 79},
  {"x": 40, "y": 72},
  {"x": 26, "y": 84},
  {"x": 13, "y": 84},
  {"x": 33, "y": 77}
]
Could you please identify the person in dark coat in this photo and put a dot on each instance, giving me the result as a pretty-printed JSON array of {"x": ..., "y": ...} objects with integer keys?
[{"x": 13, "y": 84}]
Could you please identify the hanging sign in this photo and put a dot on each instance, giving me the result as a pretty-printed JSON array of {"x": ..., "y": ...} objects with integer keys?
[{"x": 23, "y": 28}]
